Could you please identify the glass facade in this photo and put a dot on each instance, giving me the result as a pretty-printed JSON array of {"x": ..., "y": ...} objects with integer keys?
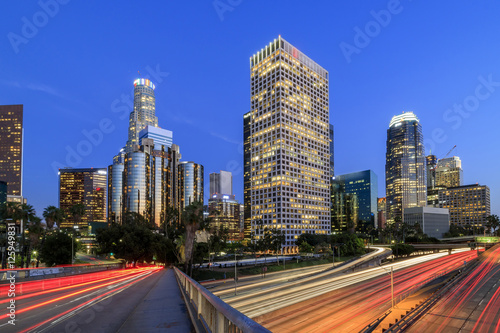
[
  {"x": 289, "y": 143},
  {"x": 11, "y": 148},
  {"x": 224, "y": 211},
  {"x": 405, "y": 168},
  {"x": 344, "y": 208},
  {"x": 115, "y": 188},
  {"x": 190, "y": 183},
  {"x": 365, "y": 185},
  {"x": 143, "y": 113},
  {"x": 449, "y": 172},
  {"x": 221, "y": 183},
  {"x": 83, "y": 186}
]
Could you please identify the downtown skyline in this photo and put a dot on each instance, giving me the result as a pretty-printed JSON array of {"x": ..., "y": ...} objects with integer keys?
[{"x": 385, "y": 78}]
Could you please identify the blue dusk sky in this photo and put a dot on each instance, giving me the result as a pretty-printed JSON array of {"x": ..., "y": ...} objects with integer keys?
[{"x": 72, "y": 64}]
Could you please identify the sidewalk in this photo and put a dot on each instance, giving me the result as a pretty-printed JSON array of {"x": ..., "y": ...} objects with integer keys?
[{"x": 162, "y": 310}]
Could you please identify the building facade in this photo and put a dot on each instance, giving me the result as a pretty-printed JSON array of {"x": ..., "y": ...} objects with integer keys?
[
  {"x": 435, "y": 222},
  {"x": 381, "y": 205},
  {"x": 115, "y": 188},
  {"x": 144, "y": 112},
  {"x": 449, "y": 173},
  {"x": 11, "y": 148},
  {"x": 86, "y": 187},
  {"x": 221, "y": 183},
  {"x": 332, "y": 150},
  {"x": 344, "y": 208},
  {"x": 405, "y": 169},
  {"x": 247, "y": 180},
  {"x": 469, "y": 205},
  {"x": 290, "y": 143},
  {"x": 190, "y": 183},
  {"x": 224, "y": 212},
  {"x": 365, "y": 185}
]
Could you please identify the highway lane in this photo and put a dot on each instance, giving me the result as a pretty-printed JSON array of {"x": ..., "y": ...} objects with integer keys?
[
  {"x": 353, "y": 300},
  {"x": 473, "y": 305},
  {"x": 285, "y": 280},
  {"x": 52, "y": 305}
]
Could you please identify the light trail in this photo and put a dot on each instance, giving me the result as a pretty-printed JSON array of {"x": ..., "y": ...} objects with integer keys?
[
  {"x": 140, "y": 272},
  {"x": 346, "y": 303}
]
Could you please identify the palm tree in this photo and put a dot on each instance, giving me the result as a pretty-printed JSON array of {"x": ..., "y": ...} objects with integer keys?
[
  {"x": 52, "y": 215},
  {"x": 192, "y": 218},
  {"x": 170, "y": 218}
]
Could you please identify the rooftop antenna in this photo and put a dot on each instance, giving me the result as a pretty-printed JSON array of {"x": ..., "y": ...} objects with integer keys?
[{"x": 139, "y": 73}]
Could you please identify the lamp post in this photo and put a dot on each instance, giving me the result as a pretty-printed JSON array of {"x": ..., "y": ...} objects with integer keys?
[{"x": 392, "y": 285}]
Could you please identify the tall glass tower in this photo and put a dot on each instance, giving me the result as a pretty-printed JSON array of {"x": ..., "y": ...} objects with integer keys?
[
  {"x": 143, "y": 113},
  {"x": 405, "y": 168},
  {"x": 289, "y": 143}
]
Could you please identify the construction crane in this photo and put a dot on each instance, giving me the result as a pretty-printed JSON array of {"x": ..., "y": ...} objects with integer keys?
[
  {"x": 448, "y": 153},
  {"x": 445, "y": 156}
]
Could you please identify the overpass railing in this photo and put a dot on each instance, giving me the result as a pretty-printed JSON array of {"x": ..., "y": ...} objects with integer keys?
[{"x": 213, "y": 313}]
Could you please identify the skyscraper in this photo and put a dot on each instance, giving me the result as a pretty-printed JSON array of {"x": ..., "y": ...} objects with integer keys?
[
  {"x": 221, "y": 183},
  {"x": 405, "y": 168},
  {"x": 449, "y": 172},
  {"x": 143, "y": 113},
  {"x": 11, "y": 148},
  {"x": 115, "y": 188},
  {"x": 469, "y": 205},
  {"x": 224, "y": 211},
  {"x": 247, "y": 180},
  {"x": 344, "y": 208},
  {"x": 365, "y": 185},
  {"x": 83, "y": 186},
  {"x": 190, "y": 183},
  {"x": 290, "y": 143},
  {"x": 332, "y": 146}
]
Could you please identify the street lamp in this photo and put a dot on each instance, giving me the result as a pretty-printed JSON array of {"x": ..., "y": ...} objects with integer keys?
[{"x": 392, "y": 284}]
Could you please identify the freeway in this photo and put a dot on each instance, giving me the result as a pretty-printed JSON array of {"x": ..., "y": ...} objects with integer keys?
[
  {"x": 50, "y": 305},
  {"x": 473, "y": 305},
  {"x": 333, "y": 302}
]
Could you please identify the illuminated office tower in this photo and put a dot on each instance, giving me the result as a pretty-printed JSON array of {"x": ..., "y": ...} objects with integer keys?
[
  {"x": 247, "y": 181},
  {"x": 469, "y": 205},
  {"x": 115, "y": 187},
  {"x": 190, "y": 183},
  {"x": 83, "y": 186},
  {"x": 11, "y": 149},
  {"x": 381, "y": 212},
  {"x": 143, "y": 113},
  {"x": 332, "y": 146},
  {"x": 449, "y": 172},
  {"x": 290, "y": 143},
  {"x": 405, "y": 168},
  {"x": 221, "y": 183},
  {"x": 224, "y": 211},
  {"x": 147, "y": 175},
  {"x": 431, "y": 162}
]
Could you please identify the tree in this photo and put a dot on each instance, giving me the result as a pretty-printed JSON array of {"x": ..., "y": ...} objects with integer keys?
[
  {"x": 76, "y": 212},
  {"x": 52, "y": 215},
  {"x": 169, "y": 223},
  {"x": 192, "y": 218},
  {"x": 134, "y": 218},
  {"x": 278, "y": 238},
  {"x": 493, "y": 223},
  {"x": 348, "y": 244},
  {"x": 56, "y": 249},
  {"x": 134, "y": 243},
  {"x": 305, "y": 247}
]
